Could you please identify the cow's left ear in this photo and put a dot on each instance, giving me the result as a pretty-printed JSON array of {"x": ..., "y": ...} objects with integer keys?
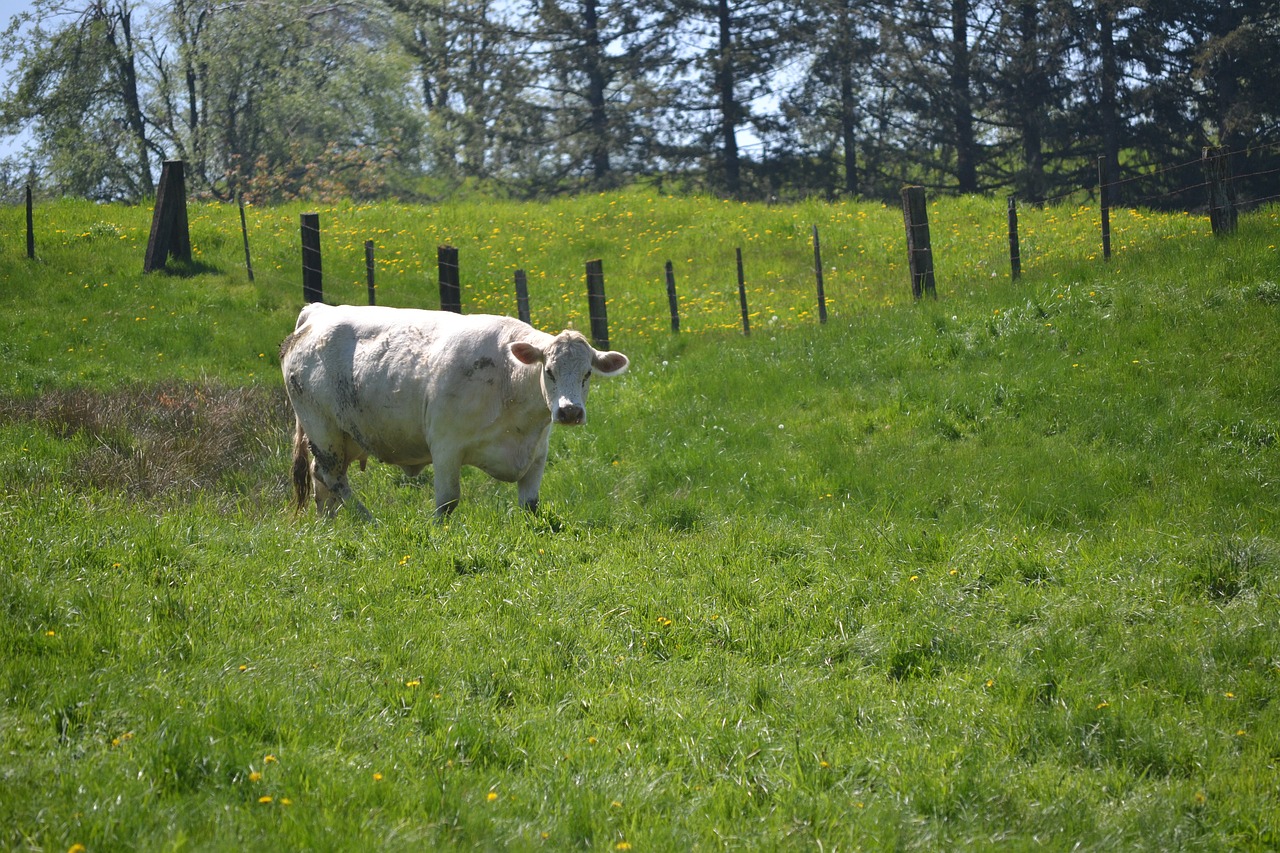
[
  {"x": 527, "y": 353},
  {"x": 609, "y": 363}
]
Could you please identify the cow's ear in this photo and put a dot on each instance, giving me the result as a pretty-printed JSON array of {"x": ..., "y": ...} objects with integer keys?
[
  {"x": 527, "y": 353},
  {"x": 609, "y": 363}
]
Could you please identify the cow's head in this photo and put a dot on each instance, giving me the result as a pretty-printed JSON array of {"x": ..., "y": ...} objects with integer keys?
[{"x": 567, "y": 364}]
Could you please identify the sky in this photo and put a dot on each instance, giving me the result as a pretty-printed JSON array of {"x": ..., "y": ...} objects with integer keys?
[{"x": 9, "y": 8}]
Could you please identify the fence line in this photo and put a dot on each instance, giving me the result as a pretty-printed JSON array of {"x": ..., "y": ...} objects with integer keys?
[{"x": 710, "y": 283}]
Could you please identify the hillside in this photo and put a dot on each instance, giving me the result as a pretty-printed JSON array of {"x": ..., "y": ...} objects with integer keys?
[{"x": 999, "y": 569}]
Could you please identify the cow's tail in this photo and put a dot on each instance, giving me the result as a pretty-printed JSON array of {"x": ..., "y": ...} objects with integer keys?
[{"x": 301, "y": 468}]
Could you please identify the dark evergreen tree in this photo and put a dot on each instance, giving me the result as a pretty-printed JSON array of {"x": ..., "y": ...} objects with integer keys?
[
  {"x": 824, "y": 112},
  {"x": 938, "y": 64},
  {"x": 601, "y": 64},
  {"x": 732, "y": 51}
]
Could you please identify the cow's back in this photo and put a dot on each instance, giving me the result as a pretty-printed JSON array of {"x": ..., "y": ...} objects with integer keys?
[{"x": 399, "y": 381}]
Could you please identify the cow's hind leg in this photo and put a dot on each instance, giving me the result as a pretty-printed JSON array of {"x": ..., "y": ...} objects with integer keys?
[{"x": 329, "y": 474}]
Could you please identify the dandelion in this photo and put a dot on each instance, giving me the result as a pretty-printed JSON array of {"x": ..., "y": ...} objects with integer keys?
[
  {"x": 268, "y": 759},
  {"x": 414, "y": 683},
  {"x": 76, "y": 848},
  {"x": 622, "y": 845},
  {"x": 1102, "y": 705},
  {"x": 377, "y": 777},
  {"x": 266, "y": 798},
  {"x": 493, "y": 795},
  {"x": 255, "y": 776}
]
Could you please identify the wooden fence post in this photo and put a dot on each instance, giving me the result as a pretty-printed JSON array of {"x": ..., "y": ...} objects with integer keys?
[
  {"x": 596, "y": 304},
  {"x": 672, "y": 302},
  {"x": 522, "y": 296},
  {"x": 244, "y": 232},
  {"x": 1015, "y": 257},
  {"x": 817, "y": 271},
  {"x": 742, "y": 296},
  {"x": 1104, "y": 200},
  {"x": 312, "y": 281},
  {"x": 170, "y": 236},
  {"x": 450, "y": 286},
  {"x": 31, "y": 229},
  {"x": 370, "y": 272},
  {"x": 1222, "y": 190},
  {"x": 915, "y": 215}
]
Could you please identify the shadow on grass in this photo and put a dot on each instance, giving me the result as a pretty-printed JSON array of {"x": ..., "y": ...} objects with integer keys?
[{"x": 187, "y": 269}]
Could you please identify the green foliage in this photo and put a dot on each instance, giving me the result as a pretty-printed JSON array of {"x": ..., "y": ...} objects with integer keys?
[{"x": 1000, "y": 569}]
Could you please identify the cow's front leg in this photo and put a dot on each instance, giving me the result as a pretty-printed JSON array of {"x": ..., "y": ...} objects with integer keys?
[
  {"x": 527, "y": 486},
  {"x": 447, "y": 475}
]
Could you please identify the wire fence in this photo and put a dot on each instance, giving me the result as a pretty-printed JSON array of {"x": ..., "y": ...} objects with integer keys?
[{"x": 712, "y": 271}]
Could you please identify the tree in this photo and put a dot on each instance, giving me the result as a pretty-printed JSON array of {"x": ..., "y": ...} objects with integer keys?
[
  {"x": 938, "y": 64},
  {"x": 735, "y": 49},
  {"x": 78, "y": 92},
  {"x": 314, "y": 103},
  {"x": 601, "y": 64},
  {"x": 1221, "y": 64},
  {"x": 474, "y": 76},
  {"x": 1031, "y": 88},
  {"x": 280, "y": 98},
  {"x": 824, "y": 111}
]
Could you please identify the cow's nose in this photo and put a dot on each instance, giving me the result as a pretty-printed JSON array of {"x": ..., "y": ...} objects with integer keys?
[{"x": 571, "y": 413}]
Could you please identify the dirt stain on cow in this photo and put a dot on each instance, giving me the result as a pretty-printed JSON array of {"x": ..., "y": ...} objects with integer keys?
[{"x": 484, "y": 363}]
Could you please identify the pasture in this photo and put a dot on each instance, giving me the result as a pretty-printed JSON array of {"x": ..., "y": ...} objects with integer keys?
[{"x": 999, "y": 570}]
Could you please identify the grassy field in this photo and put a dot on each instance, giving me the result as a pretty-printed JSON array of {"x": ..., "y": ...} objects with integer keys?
[{"x": 1000, "y": 570}]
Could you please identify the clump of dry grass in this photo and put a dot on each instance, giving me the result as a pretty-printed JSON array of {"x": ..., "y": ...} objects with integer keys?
[{"x": 170, "y": 439}]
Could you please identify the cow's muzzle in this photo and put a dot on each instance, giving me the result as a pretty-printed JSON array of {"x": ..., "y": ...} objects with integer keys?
[{"x": 570, "y": 414}]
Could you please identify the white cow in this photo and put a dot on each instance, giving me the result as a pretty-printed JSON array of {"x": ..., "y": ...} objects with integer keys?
[{"x": 417, "y": 388}]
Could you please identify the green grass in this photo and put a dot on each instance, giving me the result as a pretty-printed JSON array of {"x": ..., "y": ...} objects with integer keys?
[{"x": 996, "y": 571}]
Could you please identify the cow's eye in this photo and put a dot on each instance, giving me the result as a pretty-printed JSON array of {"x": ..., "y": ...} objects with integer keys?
[{"x": 551, "y": 375}]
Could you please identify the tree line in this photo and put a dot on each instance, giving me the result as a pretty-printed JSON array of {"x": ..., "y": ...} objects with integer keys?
[{"x": 370, "y": 99}]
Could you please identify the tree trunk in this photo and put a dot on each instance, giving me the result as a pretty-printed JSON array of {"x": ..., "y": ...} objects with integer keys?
[
  {"x": 849, "y": 131},
  {"x": 1033, "y": 86},
  {"x": 848, "y": 104},
  {"x": 962, "y": 99},
  {"x": 598, "y": 119},
  {"x": 1108, "y": 100},
  {"x": 127, "y": 79},
  {"x": 729, "y": 109}
]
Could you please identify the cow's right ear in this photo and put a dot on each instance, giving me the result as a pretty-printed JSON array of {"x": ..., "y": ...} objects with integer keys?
[{"x": 527, "y": 353}]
